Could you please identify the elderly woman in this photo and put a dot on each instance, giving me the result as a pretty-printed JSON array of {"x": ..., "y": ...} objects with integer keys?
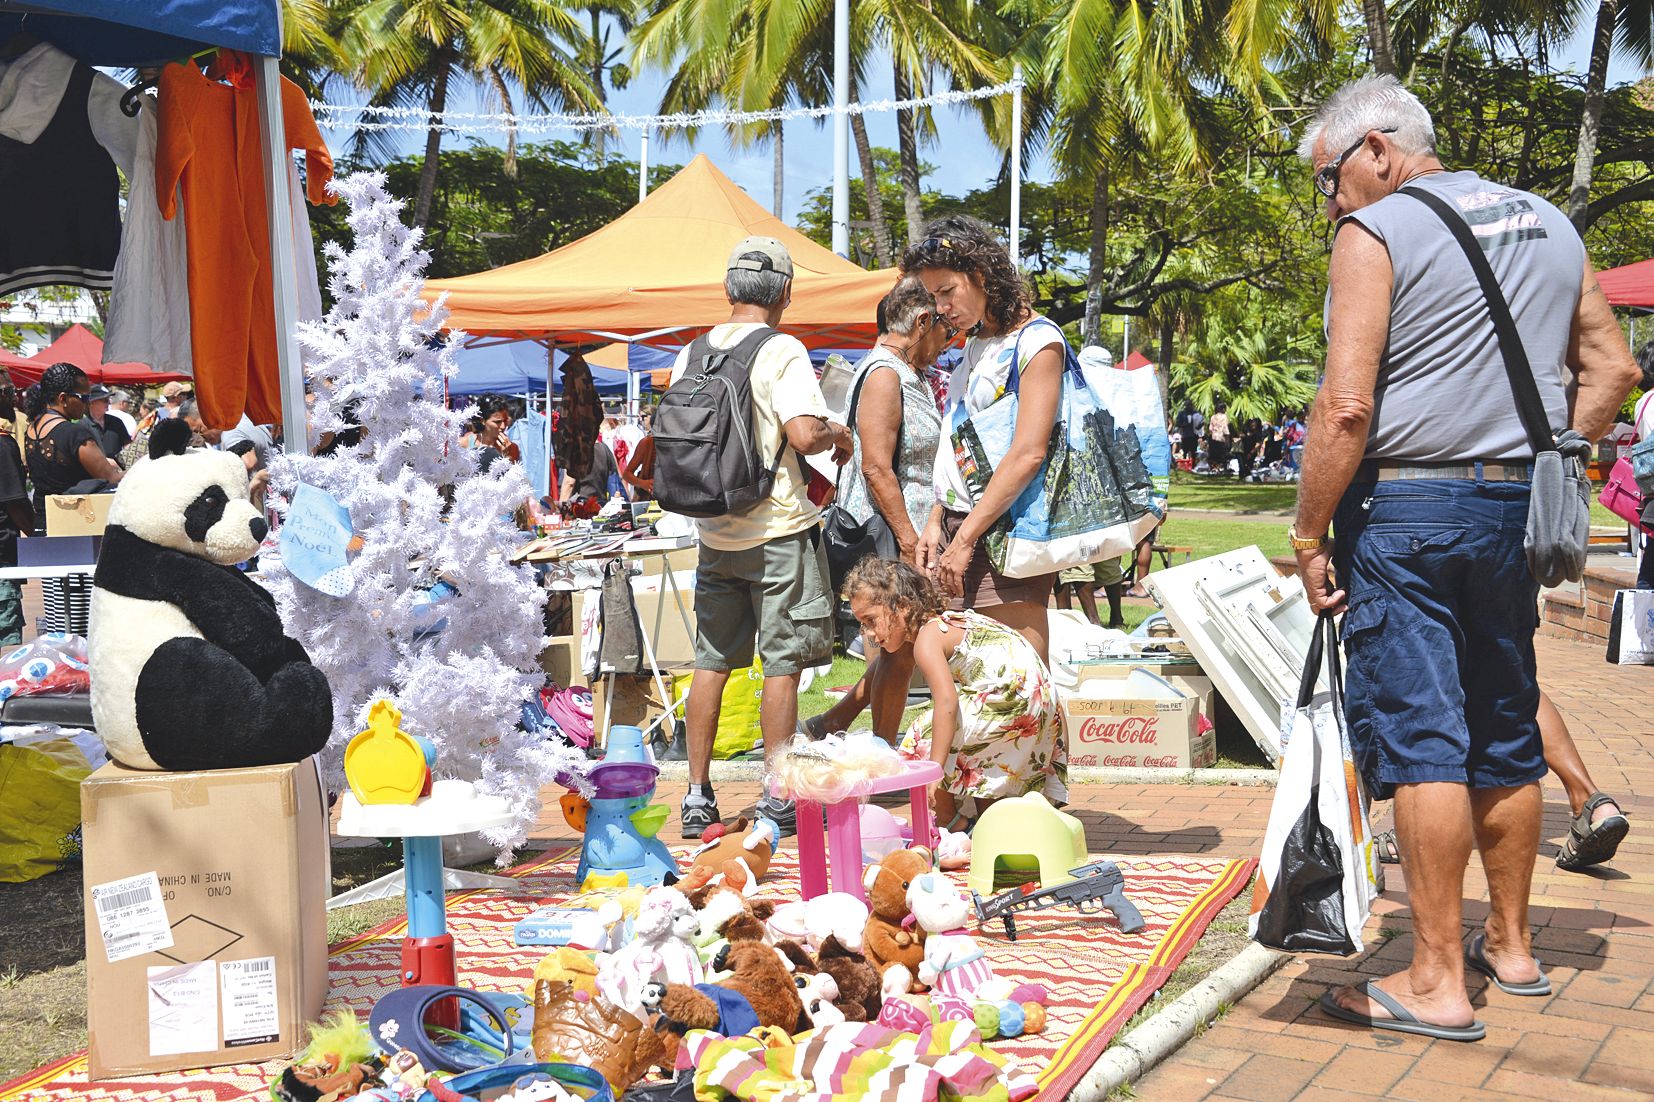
[
  {"x": 897, "y": 428},
  {"x": 979, "y": 290}
]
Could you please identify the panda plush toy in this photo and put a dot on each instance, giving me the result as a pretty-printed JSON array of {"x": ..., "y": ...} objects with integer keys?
[{"x": 190, "y": 667}]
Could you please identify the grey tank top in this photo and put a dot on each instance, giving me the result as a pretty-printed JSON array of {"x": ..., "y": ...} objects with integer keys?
[{"x": 1443, "y": 395}]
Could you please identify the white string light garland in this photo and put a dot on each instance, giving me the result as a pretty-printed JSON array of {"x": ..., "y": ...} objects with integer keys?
[{"x": 391, "y": 118}]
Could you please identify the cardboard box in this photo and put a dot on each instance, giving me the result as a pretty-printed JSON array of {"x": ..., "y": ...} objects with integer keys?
[
  {"x": 77, "y": 515},
  {"x": 1137, "y": 733},
  {"x": 661, "y": 621},
  {"x": 206, "y": 915},
  {"x": 1109, "y": 679}
]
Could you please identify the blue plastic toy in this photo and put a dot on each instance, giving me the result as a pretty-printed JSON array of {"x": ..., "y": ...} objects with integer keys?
[{"x": 620, "y": 826}]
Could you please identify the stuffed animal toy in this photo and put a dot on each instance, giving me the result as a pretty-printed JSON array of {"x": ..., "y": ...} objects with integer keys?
[
  {"x": 190, "y": 668},
  {"x": 736, "y": 856},
  {"x": 819, "y": 992},
  {"x": 661, "y": 948},
  {"x": 961, "y": 981},
  {"x": 894, "y": 947},
  {"x": 833, "y": 914},
  {"x": 858, "y": 981},
  {"x": 759, "y": 992},
  {"x": 340, "y": 1061}
]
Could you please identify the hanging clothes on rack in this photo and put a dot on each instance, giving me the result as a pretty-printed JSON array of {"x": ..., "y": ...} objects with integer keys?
[
  {"x": 208, "y": 145},
  {"x": 582, "y": 417},
  {"x": 529, "y": 434},
  {"x": 149, "y": 307},
  {"x": 62, "y": 135}
]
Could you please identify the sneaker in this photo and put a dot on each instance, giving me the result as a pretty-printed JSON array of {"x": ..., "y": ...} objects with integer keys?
[
  {"x": 697, "y": 813},
  {"x": 783, "y": 813}
]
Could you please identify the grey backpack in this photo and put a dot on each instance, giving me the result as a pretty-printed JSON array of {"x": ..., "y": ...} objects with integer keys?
[{"x": 706, "y": 450}]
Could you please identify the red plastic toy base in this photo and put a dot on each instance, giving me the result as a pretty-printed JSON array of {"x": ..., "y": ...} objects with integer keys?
[{"x": 431, "y": 960}]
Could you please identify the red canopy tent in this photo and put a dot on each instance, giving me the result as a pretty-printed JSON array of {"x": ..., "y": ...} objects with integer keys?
[
  {"x": 1630, "y": 284},
  {"x": 82, "y": 347}
]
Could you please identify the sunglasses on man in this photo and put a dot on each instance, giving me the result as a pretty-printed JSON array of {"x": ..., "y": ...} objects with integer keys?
[{"x": 1326, "y": 177}]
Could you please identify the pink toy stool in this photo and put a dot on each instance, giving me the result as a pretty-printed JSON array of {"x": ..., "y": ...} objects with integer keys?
[{"x": 843, "y": 831}]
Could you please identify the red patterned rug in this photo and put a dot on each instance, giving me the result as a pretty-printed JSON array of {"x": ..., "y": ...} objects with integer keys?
[{"x": 1097, "y": 977}]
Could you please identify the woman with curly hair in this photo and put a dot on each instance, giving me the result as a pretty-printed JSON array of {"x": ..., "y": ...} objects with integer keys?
[
  {"x": 993, "y": 727},
  {"x": 980, "y": 292}
]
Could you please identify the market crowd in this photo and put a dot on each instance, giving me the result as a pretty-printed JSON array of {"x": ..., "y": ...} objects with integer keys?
[{"x": 1428, "y": 499}]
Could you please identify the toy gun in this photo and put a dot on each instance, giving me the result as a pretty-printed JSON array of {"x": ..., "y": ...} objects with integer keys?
[{"x": 1096, "y": 887}]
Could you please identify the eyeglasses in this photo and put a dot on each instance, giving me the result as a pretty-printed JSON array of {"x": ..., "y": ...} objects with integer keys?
[{"x": 1326, "y": 177}]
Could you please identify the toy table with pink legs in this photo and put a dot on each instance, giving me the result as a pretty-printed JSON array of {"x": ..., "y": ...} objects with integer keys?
[{"x": 843, "y": 831}]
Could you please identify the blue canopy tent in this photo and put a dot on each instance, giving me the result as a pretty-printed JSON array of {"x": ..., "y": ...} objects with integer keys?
[
  {"x": 131, "y": 33},
  {"x": 520, "y": 368}
]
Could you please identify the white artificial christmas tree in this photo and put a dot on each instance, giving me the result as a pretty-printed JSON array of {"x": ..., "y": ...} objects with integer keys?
[{"x": 424, "y": 513}]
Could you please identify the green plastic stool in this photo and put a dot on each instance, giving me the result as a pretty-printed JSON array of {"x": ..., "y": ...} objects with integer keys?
[{"x": 1026, "y": 832}]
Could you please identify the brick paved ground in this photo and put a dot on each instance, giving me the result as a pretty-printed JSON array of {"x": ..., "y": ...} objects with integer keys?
[{"x": 1593, "y": 1039}]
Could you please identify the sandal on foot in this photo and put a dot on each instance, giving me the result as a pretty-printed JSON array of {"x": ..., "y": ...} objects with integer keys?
[
  {"x": 1591, "y": 843},
  {"x": 1384, "y": 843},
  {"x": 1476, "y": 957},
  {"x": 1401, "y": 1020}
]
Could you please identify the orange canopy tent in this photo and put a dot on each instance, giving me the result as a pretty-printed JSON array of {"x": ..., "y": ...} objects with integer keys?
[
  {"x": 83, "y": 348},
  {"x": 655, "y": 275}
]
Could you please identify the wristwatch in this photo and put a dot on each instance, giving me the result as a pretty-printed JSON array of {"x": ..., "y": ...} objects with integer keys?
[{"x": 1300, "y": 543}]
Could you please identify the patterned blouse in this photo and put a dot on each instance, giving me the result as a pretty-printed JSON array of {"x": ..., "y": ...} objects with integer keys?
[{"x": 921, "y": 428}]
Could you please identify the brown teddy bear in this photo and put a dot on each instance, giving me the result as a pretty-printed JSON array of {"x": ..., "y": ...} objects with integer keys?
[
  {"x": 858, "y": 996},
  {"x": 893, "y": 945},
  {"x": 759, "y": 992}
]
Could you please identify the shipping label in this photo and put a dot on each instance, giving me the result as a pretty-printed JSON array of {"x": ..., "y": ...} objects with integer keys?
[
  {"x": 251, "y": 1010},
  {"x": 132, "y": 919}
]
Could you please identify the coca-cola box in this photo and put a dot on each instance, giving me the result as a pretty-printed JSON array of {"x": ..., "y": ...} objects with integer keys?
[
  {"x": 1136, "y": 732},
  {"x": 1108, "y": 678}
]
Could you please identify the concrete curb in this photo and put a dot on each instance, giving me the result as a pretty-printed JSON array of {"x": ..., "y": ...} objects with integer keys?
[
  {"x": 752, "y": 770},
  {"x": 1131, "y": 1057}
]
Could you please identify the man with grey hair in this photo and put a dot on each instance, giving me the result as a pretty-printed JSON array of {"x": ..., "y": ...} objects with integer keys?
[
  {"x": 762, "y": 576},
  {"x": 119, "y": 408},
  {"x": 1418, "y": 461}
]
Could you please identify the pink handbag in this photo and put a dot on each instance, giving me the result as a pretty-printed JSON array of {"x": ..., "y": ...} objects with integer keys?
[{"x": 1620, "y": 495}]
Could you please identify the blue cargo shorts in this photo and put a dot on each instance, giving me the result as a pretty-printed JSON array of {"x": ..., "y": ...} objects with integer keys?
[{"x": 1440, "y": 681}]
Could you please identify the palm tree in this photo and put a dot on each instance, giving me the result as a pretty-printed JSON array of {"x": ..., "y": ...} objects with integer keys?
[
  {"x": 601, "y": 59},
  {"x": 1127, "y": 80},
  {"x": 403, "y": 49},
  {"x": 771, "y": 53},
  {"x": 1632, "y": 21}
]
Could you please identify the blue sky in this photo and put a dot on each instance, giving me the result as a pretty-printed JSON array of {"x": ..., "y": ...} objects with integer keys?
[{"x": 963, "y": 156}]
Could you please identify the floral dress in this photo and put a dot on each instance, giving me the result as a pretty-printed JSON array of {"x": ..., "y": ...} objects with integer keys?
[{"x": 1009, "y": 739}]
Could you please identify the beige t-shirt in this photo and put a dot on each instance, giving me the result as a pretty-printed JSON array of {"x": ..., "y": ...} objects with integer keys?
[{"x": 784, "y": 386}]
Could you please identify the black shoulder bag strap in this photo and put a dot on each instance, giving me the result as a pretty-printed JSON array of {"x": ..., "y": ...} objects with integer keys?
[
  {"x": 1528, "y": 404},
  {"x": 850, "y": 419}
]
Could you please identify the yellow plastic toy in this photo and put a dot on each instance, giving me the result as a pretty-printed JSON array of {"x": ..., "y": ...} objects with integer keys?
[
  {"x": 1026, "y": 832},
  {"x": 563, "y": 963},
  {"x": 384, "y": 764}
]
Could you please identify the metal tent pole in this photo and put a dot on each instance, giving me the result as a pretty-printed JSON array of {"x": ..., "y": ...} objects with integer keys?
[
  {"x": 1016, "y": 167},
  {"x": 289, "y": 367},
  {"x": 841, "y": 127},
  {"x": 643, "y": 167}
]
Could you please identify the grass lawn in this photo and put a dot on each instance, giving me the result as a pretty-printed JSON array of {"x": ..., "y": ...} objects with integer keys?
[{"x": 1192, "y": 491}]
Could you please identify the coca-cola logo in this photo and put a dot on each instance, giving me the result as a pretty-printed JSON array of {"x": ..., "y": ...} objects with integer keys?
[
  {"x": 1169, "y": 762},
  {"x": 1120, "y": 761},
  {"x": 1121, "y": 731},
  {"x": 1085, "y": 760}
]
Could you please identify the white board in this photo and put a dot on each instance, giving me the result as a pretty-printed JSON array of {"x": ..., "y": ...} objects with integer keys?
[{"x": 1248, "y": 626}]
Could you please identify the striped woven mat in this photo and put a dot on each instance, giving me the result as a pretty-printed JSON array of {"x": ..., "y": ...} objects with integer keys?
[{"x": 1097, "y": 977}]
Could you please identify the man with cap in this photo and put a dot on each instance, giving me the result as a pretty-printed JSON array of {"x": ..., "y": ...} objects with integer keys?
[
  {"x": 110, "y": 431},
  {"x": 172, "y": 396},
  {"x": 761, "y": 584}
]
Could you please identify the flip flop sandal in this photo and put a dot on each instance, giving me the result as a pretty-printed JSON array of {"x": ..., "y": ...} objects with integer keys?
[
  {"x": 1476, "y": 957},
  {"x": 1384, "y": 843},
  {"x": 1402, "y": 1019},
  {"x": 1591, "y": 843}
]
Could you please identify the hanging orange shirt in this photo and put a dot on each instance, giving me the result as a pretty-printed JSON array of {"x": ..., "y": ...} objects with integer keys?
[{"x": 208, "y": 144}]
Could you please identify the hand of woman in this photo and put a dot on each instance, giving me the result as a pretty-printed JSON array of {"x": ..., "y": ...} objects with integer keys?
[
  {"x": 950, "y": 568},
  {"x": 924, "y": 553}
]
